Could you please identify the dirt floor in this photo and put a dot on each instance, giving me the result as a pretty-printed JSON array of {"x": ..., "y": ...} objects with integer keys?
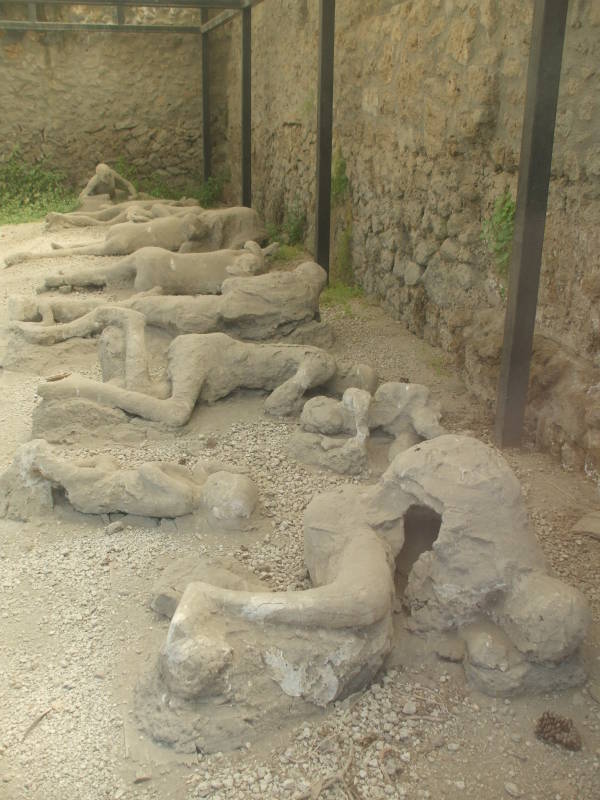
[{"x": 77, "y": 630}]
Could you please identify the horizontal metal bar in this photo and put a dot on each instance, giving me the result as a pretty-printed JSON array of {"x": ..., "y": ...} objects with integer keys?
[
  {"x": 220, "y": 19},
  {"x": 215, "y": 22},
  {"x": 237, "y": 5},
  {"x": 24, "y": 25}
]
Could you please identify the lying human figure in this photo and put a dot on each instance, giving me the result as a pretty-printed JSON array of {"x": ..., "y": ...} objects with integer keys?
[
  {"x": 484, "y": 579},
  {"x": 174, "y": 273},
  {"x": 128, "y": 211},
  {"x": 250, "y": 307},
  {"x": 101, "y": 485},
  {"x": 201, "y": 231},
  {"x": 204, "y": 367}
]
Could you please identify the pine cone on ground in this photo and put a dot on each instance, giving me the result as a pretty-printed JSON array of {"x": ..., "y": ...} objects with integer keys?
[{"x": 554, "y": 729}]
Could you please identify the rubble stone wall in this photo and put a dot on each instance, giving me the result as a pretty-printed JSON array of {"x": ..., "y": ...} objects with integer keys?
[
  {"x": 429, "y": 101},
  {"x": 78, "y": 98}
]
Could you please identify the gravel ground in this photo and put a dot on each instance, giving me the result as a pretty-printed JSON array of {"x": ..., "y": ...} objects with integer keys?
[{"x": 77, "y": 629}]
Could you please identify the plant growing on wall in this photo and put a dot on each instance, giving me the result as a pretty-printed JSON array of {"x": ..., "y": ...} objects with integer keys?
[
  {"x": 294, "y": 223},
  {"x": 339, "y": 178},
  {"x": 343, "y": 272},
  {"x": 497, "y": 231},
  {"x": 291, "y": 231},
  {"x": 207, "y": 193}
]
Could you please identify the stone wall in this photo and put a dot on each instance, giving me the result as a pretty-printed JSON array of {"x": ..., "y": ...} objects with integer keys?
[
  {"x": 80, "y": 98},
  {"x": 429, "y": 100}
]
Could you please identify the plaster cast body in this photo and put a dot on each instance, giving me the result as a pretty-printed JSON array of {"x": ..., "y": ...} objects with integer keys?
[
  {"x": 174, "y": 273},
  {"x": 128, "y": 211},
  {"x": 204, "y": 367},
  {"x": 404, "y": 411},
  {"x": 101, "y": 485},
  {"x": 485, "y": 569},
  {"x": 209, "y": 230},
  {"x": 107, "y": 181},
  {"x": 252, "y": 308}
]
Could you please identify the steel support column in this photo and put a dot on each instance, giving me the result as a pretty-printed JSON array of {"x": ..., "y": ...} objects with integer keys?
[
  {"x": 120, "y": 15},
  {"x": 543, "y": 78},
  {"x": 324, "y": 132},
  {"x": 206, "y": 142},
  {"x": 247, "y": 107}
]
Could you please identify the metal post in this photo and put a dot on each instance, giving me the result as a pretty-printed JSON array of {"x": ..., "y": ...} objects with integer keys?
[
  {"x": 206, "y": 142},
  {"x": 120, "y": 13},
  {"x": 32, "y": 12},
  {"x": 543, "y": 78},
  {"x": 247, "y": 107},
  {"x": 324, "y": 132}
]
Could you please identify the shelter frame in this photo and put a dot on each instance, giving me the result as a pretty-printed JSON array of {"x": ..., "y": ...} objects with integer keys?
[{"x": 545, "y": 60}]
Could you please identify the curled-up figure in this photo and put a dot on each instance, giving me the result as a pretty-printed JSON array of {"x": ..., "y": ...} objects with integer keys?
[
  {"x": 203, "y": 367},
  {"x": 340, "y": 454},
  {"x": 404, "y": 411},
  {"x": 448, "y": 515},
  {"x": 207, "y": 230},
  {"x": 101, "y": 486},
  {"x": 174, "y": 273},
  {"x": 106, "y": 181},
  {"x": 262, "y": 307}
]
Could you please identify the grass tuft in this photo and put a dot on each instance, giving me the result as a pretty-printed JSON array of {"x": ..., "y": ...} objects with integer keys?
[
  {"x": 339, "y": 295},
  {"x": 287, "y": 252},
  {"x": 29, "y": 191},
  {"x": 292, "y": 230}
]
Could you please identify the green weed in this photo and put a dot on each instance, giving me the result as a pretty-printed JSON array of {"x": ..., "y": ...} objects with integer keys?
[
  {"x": 287, "y": 252},
  {"x": 497, "y": 231},
  {"x": 339, "y": 179},
  {"x": 208, "y": 193},
  {"x": 273, "y": 232},
  {"x": 292, "y": 230},
  {"x": 339, "y": 295},
  {"x": 126, "y": 169},
  {"x": 294, "y": 224},
  {"x": 29, "y": 191},
  {"x": 343, "y": 272}
]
